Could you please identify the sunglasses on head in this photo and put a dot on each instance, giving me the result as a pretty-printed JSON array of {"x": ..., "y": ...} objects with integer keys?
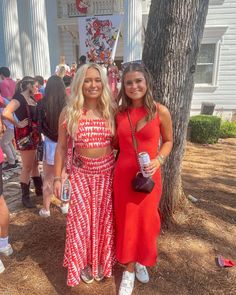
[{"x": 124, "y": 65}]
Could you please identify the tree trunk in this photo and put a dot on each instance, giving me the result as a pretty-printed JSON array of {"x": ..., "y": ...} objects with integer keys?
[{"x": 172, "y": 40}]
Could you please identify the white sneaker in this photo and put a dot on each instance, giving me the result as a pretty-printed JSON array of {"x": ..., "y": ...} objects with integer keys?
[
  {"x": 86, "y": 275},
  {"x": 141, "y": 273},
  {"x": 7, "y": 251},
  {"x": 64, "y": 208},
  {"x": 44, "y": 213},
  {"x": 127, "y": 283},
  {"x": 2, "y": 268},
  {"x": 100, "y": 275}
]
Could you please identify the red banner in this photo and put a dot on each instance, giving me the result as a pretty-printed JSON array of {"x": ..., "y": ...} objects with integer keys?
[{"x": 82, "y": 6}]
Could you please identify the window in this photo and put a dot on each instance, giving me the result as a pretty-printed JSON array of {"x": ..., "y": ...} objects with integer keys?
[
  {"x": 206, "y": 75},
  {"x": 205, "y": 64}
]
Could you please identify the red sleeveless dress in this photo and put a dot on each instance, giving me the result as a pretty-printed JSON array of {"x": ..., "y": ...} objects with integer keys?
[{"x": 136, "y": 214}]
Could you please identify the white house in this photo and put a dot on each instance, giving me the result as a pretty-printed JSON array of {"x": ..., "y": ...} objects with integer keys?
[
  {"x": 36, "y": 32},
  {"x": 215, "y": 79}
]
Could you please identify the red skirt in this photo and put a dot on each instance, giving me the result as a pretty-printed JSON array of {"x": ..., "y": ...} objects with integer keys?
[{"x": 90, "y": 226}]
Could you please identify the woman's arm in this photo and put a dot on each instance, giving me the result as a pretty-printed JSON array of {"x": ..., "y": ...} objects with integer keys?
[
  {"x": 1, "y": 127},
  {"x": 8, "y": 114},
  {"x": 167, "y": 140},
  {"x": 166, "y": 132},
  {"x": 60, "y": 154}
]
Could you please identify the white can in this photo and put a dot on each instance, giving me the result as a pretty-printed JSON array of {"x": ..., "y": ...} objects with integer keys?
[
  {"x": 66, "y": 190},
  {"x": 143, "y": 159}
]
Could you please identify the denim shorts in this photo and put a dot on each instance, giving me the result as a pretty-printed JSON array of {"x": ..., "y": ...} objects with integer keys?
[{"x": 49, "y": 151}]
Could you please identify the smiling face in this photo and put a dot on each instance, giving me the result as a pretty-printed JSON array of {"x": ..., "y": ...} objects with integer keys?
[
  {"x": 135, "y": 85},
  {"x": 92, "y": 86}
]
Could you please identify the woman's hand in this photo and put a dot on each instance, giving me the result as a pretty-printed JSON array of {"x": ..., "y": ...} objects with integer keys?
[
  {"x": 57, "y": 188},
  {"x": 152, "y": 167},
  {"x": 23, "y": 123}
]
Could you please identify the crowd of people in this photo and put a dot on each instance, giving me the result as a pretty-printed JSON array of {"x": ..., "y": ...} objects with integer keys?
[{"x": 82, "y": 118}]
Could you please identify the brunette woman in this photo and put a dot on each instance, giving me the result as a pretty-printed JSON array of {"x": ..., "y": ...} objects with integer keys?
[
  {"x": 136, "y": 213},
  {"x": 26, "y": 135},
  {"x": 88, "y": 122},
  {"x": 48, "y": 110}
]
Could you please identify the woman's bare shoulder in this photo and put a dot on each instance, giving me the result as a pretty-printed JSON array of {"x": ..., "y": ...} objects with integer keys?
[
  {"x": 164, "y": 113},
  {"x": 162, "y": 110}
]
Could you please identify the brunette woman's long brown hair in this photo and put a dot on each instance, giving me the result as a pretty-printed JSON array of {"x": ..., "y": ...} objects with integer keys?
[
  {"x": 125, "y": 102},
  {"x": 54, "y": 101}
]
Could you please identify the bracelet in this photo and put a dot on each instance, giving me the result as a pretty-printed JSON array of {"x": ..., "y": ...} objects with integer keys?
[
  {"x": 56, "y": 178},
  {"x": 161, "y": 159}
]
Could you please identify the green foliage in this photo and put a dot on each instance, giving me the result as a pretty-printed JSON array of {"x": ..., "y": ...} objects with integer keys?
[
  {"x": 228, "y": 129},
  {"x": 204, "y": 128}
]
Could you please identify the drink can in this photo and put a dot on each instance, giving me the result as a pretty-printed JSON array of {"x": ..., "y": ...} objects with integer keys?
[
  {"x": 66, "y": 190},
  {"x": 143, "y": 159}
]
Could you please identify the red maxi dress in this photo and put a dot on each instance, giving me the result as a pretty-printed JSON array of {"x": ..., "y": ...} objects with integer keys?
[{"x": 136, "y": 214}]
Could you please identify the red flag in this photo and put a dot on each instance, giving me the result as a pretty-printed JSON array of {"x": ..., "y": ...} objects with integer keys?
[{"x": 81, "y": 6}]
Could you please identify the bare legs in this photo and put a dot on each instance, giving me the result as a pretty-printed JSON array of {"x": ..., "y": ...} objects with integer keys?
[
  {"x": 48, "y": 171},
  {"x": 130, "y": 267},
  {"x": 29, "y": 165}
]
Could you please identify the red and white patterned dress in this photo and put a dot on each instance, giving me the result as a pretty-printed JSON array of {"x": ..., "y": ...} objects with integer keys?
[{"x": 90, "y": 226}]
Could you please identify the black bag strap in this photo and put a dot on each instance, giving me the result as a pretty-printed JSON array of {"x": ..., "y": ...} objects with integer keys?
[
  {"x": 28, "y": 115},
  {"x": 134, "y": 140},
  {"x": 135, "y": 144}
]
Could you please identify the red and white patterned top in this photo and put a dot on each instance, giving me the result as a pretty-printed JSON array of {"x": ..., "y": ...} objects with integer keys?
[{"x": 93, "y": 133}]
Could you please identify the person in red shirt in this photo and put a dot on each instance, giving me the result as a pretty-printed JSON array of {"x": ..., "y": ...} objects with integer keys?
[
  {"x": 142, "y": 125},
  {"x": 7, "y": 86}
]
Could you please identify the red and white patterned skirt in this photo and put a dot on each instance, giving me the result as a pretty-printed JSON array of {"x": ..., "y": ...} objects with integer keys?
[{"x": 90, "y": 224}]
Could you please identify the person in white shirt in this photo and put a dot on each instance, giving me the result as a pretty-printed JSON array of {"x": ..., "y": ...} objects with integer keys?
[{"x": 62, "y": 64}]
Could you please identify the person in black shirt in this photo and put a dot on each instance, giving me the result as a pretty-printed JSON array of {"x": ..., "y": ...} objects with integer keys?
[
  {"x": 26, "y": 135},
  {"x": 48, "y": 112}
]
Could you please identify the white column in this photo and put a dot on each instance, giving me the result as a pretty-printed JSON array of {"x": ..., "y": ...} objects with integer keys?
[
  {"x": 132, "y": 30},
  {"x": 39, "y": 38},
  {"x": 25, "y": 35},
  {"x": 11, "y": 37}
]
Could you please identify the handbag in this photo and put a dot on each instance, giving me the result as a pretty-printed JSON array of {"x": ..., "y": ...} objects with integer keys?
[
  {"x": 140, "y": 183},
  {"x": 24, "y": 142}
]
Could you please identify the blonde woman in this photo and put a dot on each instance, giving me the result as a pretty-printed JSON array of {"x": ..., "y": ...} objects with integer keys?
[{"x": 88, "y": 122}]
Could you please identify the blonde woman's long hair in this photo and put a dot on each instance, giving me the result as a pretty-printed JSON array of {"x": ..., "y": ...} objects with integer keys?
[{"x": 75, "y": 104}]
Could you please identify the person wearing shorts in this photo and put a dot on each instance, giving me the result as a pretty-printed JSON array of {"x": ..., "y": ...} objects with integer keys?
[{"x": 48, "y": 112}]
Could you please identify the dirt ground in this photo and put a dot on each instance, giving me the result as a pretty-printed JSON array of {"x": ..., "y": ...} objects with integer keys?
[{"x": 187, "y": 250}]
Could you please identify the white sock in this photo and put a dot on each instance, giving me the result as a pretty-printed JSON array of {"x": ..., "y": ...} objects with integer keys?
[{"x": 3, "y": 242}]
